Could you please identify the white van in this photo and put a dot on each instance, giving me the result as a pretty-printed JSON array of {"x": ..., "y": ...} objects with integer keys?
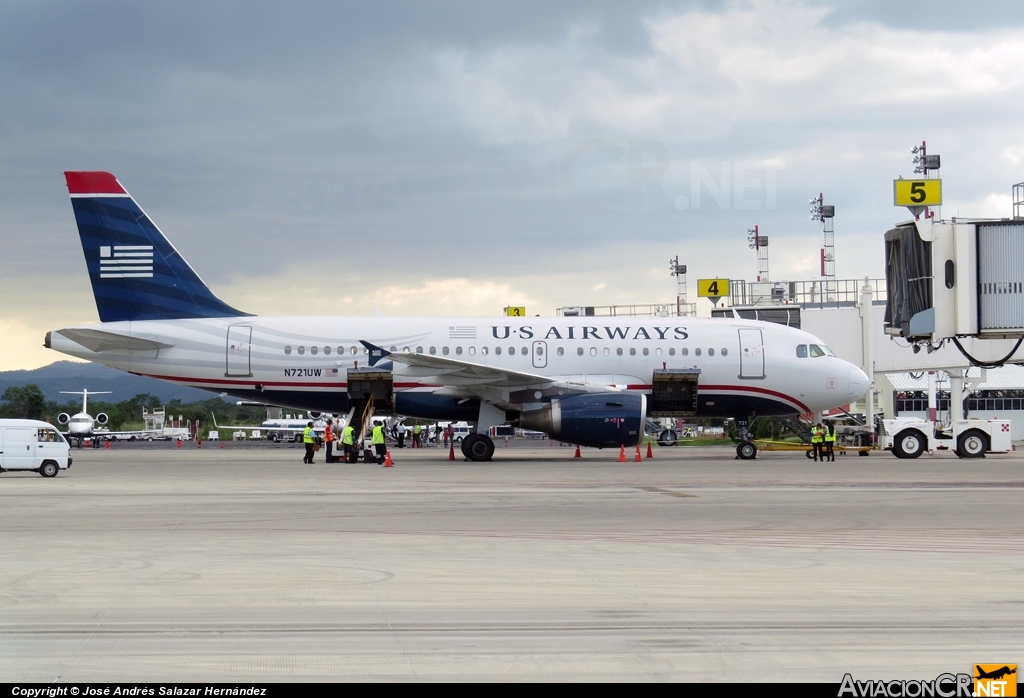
[{"x": 28, "y": 444}]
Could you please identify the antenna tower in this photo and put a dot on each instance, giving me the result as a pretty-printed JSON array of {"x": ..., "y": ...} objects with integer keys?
[
  {"x": 820, "y": 211},
  {"x": 759, "y": 243}
]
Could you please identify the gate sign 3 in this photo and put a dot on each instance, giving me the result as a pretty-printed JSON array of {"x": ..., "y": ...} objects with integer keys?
[
  {"x": 917, "y": 192},
  {"x": 712, "y": 288}
]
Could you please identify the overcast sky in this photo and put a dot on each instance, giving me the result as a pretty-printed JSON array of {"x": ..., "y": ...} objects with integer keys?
[{"x": 457, "y": 157}]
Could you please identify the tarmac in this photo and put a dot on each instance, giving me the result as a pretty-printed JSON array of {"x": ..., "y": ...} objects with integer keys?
[{"x": 241, "y": 564}]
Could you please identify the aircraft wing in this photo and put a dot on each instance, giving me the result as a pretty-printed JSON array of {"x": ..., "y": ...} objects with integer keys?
[{"x": 490, "y": 383}]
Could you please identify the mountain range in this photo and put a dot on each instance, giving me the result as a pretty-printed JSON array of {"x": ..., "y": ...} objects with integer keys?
[{"x": 72, "y": 375}]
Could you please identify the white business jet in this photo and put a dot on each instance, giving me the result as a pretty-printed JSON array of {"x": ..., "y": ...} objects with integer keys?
[
  {"x": 83, "y": 425},
  {"x": 582, "y": 380}
]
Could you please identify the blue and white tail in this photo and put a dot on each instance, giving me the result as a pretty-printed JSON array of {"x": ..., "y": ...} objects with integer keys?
[{"x": 136, "y": 273}]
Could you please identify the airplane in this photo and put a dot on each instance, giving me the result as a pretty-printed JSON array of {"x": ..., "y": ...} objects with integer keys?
[
  {"x": 994, "y": 674},
  {"x": 582, "y": 380},
  {"x": 82, "y": 425},
  {"x": 280, "y": 429}
]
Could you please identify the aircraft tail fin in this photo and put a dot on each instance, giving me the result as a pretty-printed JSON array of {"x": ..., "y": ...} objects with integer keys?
[{"x": 135, "y": 271}]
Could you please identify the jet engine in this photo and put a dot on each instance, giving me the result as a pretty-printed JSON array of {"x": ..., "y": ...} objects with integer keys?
[
  {"x": 63, "y": 418},
  {"x": 599, "y": 420},
  {"x": 102, "y": 418}
]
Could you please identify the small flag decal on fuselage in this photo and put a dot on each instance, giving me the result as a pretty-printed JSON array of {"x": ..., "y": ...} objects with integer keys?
[
  {"x": 461, "y": 332},
  {"x": 126, "y": 262}
]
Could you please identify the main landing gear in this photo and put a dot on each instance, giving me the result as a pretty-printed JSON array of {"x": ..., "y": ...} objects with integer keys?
[{"x": 477, "y": 447}]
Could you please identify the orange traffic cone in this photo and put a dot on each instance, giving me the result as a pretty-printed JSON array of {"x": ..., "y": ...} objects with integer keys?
[
  {"x": 637, "y": 458},
  {"x": 650, "y": 453},
  {"x": 179, "y": 443},
  {"x": 622, "y": 454},
  {"x": 577, "y": 455},
  {"x": 106, "y": 444},
  {"x": 451, "y": 452},
  {"x": 222, "y": 444},
  {"x": 387, "y": 460}
]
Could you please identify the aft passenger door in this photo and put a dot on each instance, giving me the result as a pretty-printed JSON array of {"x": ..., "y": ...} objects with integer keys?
[
  {"x": 238, "y": 348},
  {"x": 540, "y": 354},
  {"x": 751, "y": 354}
]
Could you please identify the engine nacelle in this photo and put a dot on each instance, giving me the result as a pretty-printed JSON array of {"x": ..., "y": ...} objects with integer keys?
[
  {"x": 598, "y": 420},
  {"x": 102, "y": 418},
  {"x": 63, "y": 418},
  {"x": 314, "y": 414}
]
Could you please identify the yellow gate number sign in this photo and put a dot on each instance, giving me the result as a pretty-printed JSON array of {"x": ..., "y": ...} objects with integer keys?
[
  {"x": 917, "y": 192},
  {"x": 712, "y": 288},
  {"x": 513, "y": 311}
]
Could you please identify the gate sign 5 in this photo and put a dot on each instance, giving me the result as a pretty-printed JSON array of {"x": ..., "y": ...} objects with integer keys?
[
  {"x": 917, "y": 192},
  {"x": 712, "y": 288}
]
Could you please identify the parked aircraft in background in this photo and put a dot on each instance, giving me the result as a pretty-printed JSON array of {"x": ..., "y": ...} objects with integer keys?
[
  {"x": 83, "y": 426},
  {"x": 582, "y": 380}
]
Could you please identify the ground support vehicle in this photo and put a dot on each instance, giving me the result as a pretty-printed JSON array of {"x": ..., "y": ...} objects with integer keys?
[
  {"x": 29, "y": 444},
  {"x": 909, "y": 437}
]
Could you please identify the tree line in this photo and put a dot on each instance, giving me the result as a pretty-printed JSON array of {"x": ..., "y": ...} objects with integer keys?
[{"x": 28, "y": 402}]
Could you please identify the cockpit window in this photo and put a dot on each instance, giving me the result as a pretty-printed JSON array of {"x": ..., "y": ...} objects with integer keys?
[
  {"x": 829, "y": 351},
  {"x": 801, "y": 351},
  {"x": 816, "y": 351}
]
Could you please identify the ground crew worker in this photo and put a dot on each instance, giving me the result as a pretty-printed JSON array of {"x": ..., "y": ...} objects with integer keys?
[
  {"x": 400, "y": 434},
  {"x": 348, "y": 436},
  {"x": 309, "y": 441},
  {"x": 416, "y": 430},
  {"x": 377, "y": 439},
  {"x": 329, "y": 440},
  {"x": 830, "y": 442},
  {"x": 817, "y": 438}
]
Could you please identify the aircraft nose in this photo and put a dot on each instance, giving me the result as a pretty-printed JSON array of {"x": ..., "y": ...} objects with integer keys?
[{"x": 859, "y": 383}]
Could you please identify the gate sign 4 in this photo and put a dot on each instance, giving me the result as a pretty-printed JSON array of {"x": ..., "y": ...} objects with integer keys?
[
  {"x": 917, "y": 192},
  {"x": 712, "y": 288}
]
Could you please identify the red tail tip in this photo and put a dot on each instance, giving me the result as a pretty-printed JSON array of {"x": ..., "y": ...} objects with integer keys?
[{"x": 93, "y": 183}]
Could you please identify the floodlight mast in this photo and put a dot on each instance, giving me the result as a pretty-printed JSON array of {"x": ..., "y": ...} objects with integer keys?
[
  {"x": 679, "y": 271},
  {"x": 820, "y": 211},
  {"x": 759, "y": 243},
  {"x": 923, "y": 165}
]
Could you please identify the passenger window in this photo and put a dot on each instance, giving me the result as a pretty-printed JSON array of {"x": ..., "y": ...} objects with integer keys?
[
  {"x": 607, "y": 351},
  {"x": 405, "y": 350},
  {"x": 458, "y": 351},
  {"x": 483, "y": 350},
  {"x": 579, "y": 351},
  {"x": 433, "y": 350},
  {"x": 287, "y": 351},
  {"x": 801, "y": 351},
  {"x": 302, "y": 350},
  {"x": 593, "y": 351},
  {"x": 497, "y": 350},
  {"x": 313, "y": 350},
  {"x": 657, "y": 352},
  {"x": 684, "y": 351},
  {"x": 696, "y": 352},
  {"x": 632, "y": 351},
  {"x": 352, "y": 351},
  {"x": 511, "y": 351},
  {"x": 646, "y": 351},
  {"x": 711, "y": 352},
  {"x": 472, "y": 351},
  {"x": 561, "y": 351},
  {"x": 526, "y": 351},
  {"x": 444, "y": 350},
  {"x": 419, "y": 350},
  {"x": 725, "y": 351},
  {"x": 327, "y": 350},
  {"x": 341, "y": 350},
  {"x": 392, "y": 350},
  {"x": 618, "y": 351},
  {"x": 671, "y": 351},
  {"x": 816, "y": 351}
]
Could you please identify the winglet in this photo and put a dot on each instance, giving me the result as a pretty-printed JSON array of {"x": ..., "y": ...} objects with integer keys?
[{"x": 376, "y": 353}]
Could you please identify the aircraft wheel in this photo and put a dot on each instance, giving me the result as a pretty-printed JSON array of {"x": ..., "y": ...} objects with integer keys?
[
  {"x": 909, "y": 443},
  {"x": 972, "y": 444},
  {"x": 49, "y": 469},
  {"x": 809, "y": 453},
  {"x": 478, "y": 447},
  {"x": 746, "y": 450},
  {"x": 668, "y": 438}
]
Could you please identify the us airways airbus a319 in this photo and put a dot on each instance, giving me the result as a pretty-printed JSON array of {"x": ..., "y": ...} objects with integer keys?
[{"x": 582, "y": 380}]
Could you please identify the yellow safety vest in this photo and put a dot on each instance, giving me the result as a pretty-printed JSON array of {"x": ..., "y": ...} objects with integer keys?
[
  {"x": 816, "y": 436},
  {"x": 378, "y": 435},
  {"x": 830, "y": 437},
  {"x": 416, "y": 429},
  {"x": 307, "y": 436},
  {"x": 346, "y": 436}
]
